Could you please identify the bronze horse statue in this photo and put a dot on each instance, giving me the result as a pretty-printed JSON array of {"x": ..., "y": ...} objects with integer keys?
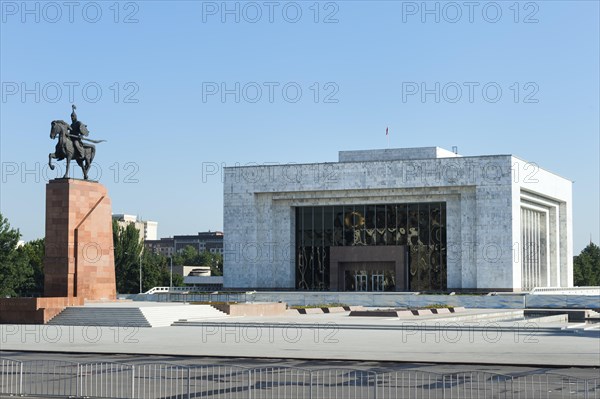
[{"x": 66, "y": 150}]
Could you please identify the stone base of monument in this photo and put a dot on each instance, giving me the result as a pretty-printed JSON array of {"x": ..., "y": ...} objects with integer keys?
[
  {"x": 34, "y": 310},
  {"x": 79, "y": 260},
  {"x": 79, "y": 257}
]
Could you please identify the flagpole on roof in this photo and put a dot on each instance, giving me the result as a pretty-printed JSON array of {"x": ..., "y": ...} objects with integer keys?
[{"x": 387, "y": 134}]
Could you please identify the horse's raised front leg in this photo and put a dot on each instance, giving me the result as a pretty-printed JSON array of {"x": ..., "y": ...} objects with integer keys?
[{"x": 50, "y": 156}]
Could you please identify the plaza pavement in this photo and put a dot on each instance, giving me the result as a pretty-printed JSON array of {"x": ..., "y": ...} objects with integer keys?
[{"x": 435, "y": 339}]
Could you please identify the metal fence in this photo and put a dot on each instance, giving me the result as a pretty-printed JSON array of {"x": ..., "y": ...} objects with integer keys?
[
  {"x": 105, "y": 380},
  {"x": 202, "y": 297},
  {"x": 52, "y": 378}
]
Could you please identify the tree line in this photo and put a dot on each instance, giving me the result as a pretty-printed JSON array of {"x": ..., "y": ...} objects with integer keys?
[
  {"x": 22, "y": 269},
  {"x": 129, "y": 252}
]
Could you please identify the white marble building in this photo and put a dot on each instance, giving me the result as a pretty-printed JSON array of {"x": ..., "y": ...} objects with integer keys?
[{"x": 398, "y": 219}]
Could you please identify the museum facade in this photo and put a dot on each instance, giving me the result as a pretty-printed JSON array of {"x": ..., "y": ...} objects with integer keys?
[{"x": 407, "y": 219}]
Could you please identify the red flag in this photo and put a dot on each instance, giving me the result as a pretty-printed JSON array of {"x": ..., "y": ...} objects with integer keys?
[{"x": 386, "y": 131}]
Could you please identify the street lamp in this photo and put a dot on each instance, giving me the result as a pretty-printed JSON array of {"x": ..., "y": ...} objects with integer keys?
[
  {"x": 140, "y": 272},
  {"x": 171, "y": 283}
]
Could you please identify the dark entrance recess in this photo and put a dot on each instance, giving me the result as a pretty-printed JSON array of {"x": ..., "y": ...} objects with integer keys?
[
  {"x": 368, "y": 268},
  {"x": 391, "y": 247}
]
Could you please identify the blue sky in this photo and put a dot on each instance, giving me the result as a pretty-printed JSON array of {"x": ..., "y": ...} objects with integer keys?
[{"x": 148, "y": 76}]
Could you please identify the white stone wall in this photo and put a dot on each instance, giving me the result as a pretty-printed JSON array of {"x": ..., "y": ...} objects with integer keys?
[
  {"x": 539, "y": 189},
  {"x": 482, "y": 203}
]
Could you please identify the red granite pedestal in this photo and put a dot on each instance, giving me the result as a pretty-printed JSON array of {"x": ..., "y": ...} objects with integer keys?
[
  {"x": 79, "y": 260},
  {"x": 79, "y": 257}
]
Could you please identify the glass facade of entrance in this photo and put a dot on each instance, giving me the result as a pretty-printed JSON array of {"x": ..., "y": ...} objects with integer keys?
[{"x": 421, "y": 227}]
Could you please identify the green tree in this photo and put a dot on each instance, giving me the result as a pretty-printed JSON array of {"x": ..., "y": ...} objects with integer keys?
[
  {"x": 127, "y": 250},
  {"x": 189, "y": 256},
  {"x": 177, "y": 279},
  {"x": 152, "y": 270},
  {"x": 214, "y": 260},
  {"x": 586, "y": 266},
  {"x": 34, "y": 251},
  {"x": 159, "y": 271},
  {"x": 14, "y": 265}
]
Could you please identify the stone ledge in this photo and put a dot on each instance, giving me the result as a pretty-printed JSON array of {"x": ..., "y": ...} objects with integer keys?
[
  {"x": 251, "y": 309},
  {"x": 34, "y": 310},
  {"x": 333, "y": 309},
  {"x": 405, "y": 313}
]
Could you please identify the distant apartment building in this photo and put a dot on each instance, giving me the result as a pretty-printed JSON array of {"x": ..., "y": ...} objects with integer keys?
[
  {"x": 147, "y": 228},
  {"x": 211, "y": 241},
  {"x": 164, "y": 246}
]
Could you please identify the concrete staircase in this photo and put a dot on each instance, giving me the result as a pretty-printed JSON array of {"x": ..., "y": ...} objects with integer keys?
[
  {"x": 144, "y": 316},
  {"x": 162, "y": 317},
  {"x": 109, "y": 317}
]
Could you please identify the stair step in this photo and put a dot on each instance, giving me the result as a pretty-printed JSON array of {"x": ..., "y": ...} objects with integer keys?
[{"x": 146, "y": 316}]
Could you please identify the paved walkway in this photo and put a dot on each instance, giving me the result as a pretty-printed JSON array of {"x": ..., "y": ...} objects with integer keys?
[{"x": 331, "y": 337}]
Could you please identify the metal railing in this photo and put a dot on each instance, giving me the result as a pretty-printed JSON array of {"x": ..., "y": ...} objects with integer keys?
[
  {"x": 222, "y": 381},
  {"x": 157, "y": 290},
  {"x": 52, "y": 378},
  {"x": 105, "y": 380},
  {"x": 203, "y": 297},
  {"x": 11, "y": 377},
  {"x": 565, "y": 291},
  {"x": 49, "y": 378},
  {"x": 161, "y": 380}
]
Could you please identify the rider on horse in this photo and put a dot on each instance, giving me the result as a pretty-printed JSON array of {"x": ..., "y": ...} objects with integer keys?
[{"x": 77, "y": 130}]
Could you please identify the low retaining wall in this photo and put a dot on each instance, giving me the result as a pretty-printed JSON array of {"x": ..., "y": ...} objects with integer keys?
[
  {"x": 252, "y": 309},
  {"x": 333, "y": 309},
  {"x": 407, "y": 300},
  {"x": 403, "y": 313},
  {"x": 396, "y": 299},
  {"x": 392, "y": 299},
  {"x": 34, "y": 310}
]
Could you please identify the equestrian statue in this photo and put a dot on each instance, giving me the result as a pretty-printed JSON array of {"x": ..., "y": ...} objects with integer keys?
[{"x": 70, "y": 144}]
